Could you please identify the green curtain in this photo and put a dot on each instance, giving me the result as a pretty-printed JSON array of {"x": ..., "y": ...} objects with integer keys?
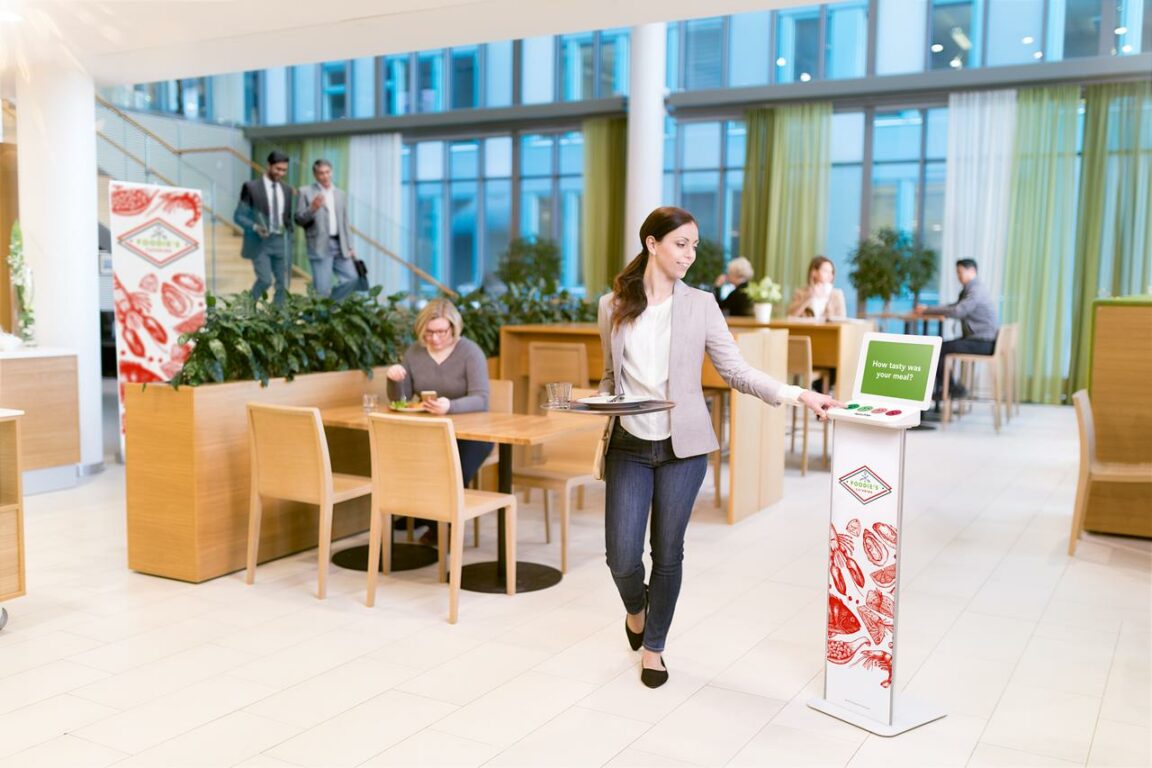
[
  {"x": 1114, "y": 221},
  {"x": 1041, "y": 232},
  {"x": 602, "y": 229},
  {"x": 784, "y": 208},
  {"x": 302, "y": 153}
]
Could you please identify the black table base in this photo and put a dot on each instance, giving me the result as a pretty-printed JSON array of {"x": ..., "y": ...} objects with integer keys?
[
  {"x": 405, "y": 557},
  {"x": 484, "y": 577}
]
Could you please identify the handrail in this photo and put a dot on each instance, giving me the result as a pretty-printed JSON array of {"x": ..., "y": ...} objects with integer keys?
[{"x": 261, "y": 170}]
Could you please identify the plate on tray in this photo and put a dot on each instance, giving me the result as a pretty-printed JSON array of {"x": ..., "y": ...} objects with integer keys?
[{"x": 613, "y": 403}]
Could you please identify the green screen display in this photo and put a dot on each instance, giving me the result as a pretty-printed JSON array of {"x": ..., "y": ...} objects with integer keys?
[{"x": 897, "y": 369}]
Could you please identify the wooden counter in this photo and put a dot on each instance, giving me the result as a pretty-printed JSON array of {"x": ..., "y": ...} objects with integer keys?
[
  {"x": 1121, "y": 393},
  {"x": 11, "y": 508},
  {"x": 42, "y": 383}
]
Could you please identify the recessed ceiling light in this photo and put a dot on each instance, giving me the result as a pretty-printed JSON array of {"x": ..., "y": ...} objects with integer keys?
[
  {"x": 1126, "y": 48},
  {"x": 1027, "y": 40},
  {"x": 937, "y": 48},
  {"x": 781, "y": 62},
  {"x": 961, "y": 39},
  {"x": 1121, "y": 30},
  {"x": 805, "y": 77},
  {"x": 1038, "y": 55},
  {"x": 956, "y": 63}
]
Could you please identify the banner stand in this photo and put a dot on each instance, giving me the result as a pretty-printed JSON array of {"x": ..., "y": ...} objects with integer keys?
[{"x": 865, "y": 535}]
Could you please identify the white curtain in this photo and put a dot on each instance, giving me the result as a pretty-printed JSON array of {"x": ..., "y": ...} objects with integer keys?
[
  {"x": 981, "y": 135},
  {"x": 374, "y": 190}
]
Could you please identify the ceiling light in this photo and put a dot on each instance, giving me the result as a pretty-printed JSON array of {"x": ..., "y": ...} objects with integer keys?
[
  {"x": 1121, "y": 30},
  {"x": 1127, "y": 48},
  {"x": 805, "y": 77},
  {"x": 1038, "y": 55},
  {"x": 781, "y": 62},
  {"x": 937, "y": 48},
  {"x": 1027, "y": 40},
  {"x": 961, "y": 39},
  {"x": 955, "y": 63}
]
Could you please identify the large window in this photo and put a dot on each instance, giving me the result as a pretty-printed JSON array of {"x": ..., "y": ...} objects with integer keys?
[
  {"x": 846, "y": 184},
  {"x": 705, "y": 175},
  {"x": 552, "y": 194}
]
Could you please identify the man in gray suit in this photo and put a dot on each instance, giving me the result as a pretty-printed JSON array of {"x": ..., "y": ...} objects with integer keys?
[
  {"x": 979, "y": 325},
  {"x": 322, "y": 210}
]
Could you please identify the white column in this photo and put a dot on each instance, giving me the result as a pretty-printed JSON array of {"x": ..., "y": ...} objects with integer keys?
[
  {"x": 56, "y": 162},
  {"x": 645, "y": 186}
]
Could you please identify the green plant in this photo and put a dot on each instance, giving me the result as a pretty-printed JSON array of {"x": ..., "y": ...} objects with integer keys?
[
  {"x": 709, "y": 263},
  {"x": 245, "y": 338},
  {"x": 919, "y": 269},
  {"x": 531, "y": 262},
  {"x": 22, "y": 285},
  {"x": 484, "y": 313},
  {"x": 763, "y": 291},
  {"x": 878, "y": 266}
]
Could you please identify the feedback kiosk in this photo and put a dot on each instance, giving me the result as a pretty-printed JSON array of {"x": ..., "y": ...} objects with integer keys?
[{"x": 894, "y": 381}]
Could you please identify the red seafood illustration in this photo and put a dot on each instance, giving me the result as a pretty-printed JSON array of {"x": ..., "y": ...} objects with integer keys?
[
  {"x": 130, "y": 202},
  {"x": 135, "y": 373},
  {"x": 189, "y": 282},
  {"x": 886, "y": 576},
  {"x": 853, "y": 526},
  {"x": 877, "y": 660},
  {"x": 171, "y": 201},
  {"x": 886, "y": 532},
  {"x": 841, "y": 620},
  {"x": 875, "y": 550},
  {"x": 881, "y": 603},
  {"x": 175, "y": 301},
  {"x": 192, "y": 324},
  {"x": 150, "y": 282},
  {"x": 840, "y": 556},
  {"x": 878, "y": 626},
  {"x": 842, "y": 652}
]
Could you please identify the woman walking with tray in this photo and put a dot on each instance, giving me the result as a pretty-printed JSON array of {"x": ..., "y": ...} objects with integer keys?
[{"x": 657, "y": 460}]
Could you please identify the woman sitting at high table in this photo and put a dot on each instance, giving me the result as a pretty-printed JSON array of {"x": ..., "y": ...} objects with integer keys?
[{"x": 819, "y": 299}]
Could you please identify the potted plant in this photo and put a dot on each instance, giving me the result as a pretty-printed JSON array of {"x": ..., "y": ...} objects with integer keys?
[
  {"x": 709, "y": 263},
  {"x": 919, "y": 269},
  {"x": 763, "y": 293},
  {"x": 878, "y": 267}
]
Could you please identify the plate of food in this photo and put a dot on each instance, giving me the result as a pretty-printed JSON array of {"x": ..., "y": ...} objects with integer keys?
[
  {"x": 614, "y": 402},
  {"x": 407, "y": 406}
]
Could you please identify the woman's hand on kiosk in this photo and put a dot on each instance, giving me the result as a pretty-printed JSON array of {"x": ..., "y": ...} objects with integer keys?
[{"x": 818, "y": 403}]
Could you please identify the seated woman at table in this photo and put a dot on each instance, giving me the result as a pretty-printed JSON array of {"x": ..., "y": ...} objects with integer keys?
[
  {"x": 818, "y": 299},
  {"x": 736, "y": 303},
  {"x": 453, "y": 367}
]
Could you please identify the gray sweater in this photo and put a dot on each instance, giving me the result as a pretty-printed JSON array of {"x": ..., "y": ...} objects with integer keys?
[
  {"x": 462, "y": 377},
  {"x": 975, "y": 311}
]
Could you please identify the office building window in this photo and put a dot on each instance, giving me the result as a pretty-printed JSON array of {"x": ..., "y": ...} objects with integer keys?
[
  {"x": 334, "y": 90},
  {"x": 748, "y": 36},
  {"x": 955, "y": 30},
  {"x": 846, "y": 183},
  {"x": 430, "y": 81},
  {"x": 798, "y": 45},
  {"x": 465, "y": 77},
  {"x": 704, "y": 53},
  {"x": 396, "y": 85},
  {"x": 364, "y": 87},
  {"x": 706, "y": 177},
  {"x": 1081, "y": 28},
  {"x": 253, "y": 103},
  {"x": 537, "y": 70},
  {"x": 1015, "y": 32},
  {"x": 498, "y": 74},
  {"x": 577, "y": 67},
  {"x": 846, "y": 40},
  {"x": 615, "y": 45},
  {"x": 900, "y": 36},
  {"x": 304, "y": 93}
]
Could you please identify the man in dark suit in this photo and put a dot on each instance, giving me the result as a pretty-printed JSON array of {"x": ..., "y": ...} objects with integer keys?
[
  {"x": 322, "y": 211},
  {"x": 265, "y": 215}
]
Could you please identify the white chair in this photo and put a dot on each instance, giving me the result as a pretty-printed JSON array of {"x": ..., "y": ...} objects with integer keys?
[
  {"x": 1095, "y": 471},
  {"x": 416, "y": 473},
  {"x": 290, "y": 461}
]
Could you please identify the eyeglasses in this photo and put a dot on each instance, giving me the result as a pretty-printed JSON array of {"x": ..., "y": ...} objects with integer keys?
[{"x": 434, "y": 332}]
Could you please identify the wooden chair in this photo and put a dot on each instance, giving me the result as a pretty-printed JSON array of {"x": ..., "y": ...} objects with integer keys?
[
  {"x": 1094, "y": 471},
  {"x": 715, "y": 400},
  {"x": 416, "y": 473},
  {"x": 800, "y": 372},
  {"x": 554, "y": 361},
  {"x": 997, "y": 363},
  {"x": 290, "y": 461},
  {"x": 499, "y": 401},
  {"x": 567, "y": 464}
]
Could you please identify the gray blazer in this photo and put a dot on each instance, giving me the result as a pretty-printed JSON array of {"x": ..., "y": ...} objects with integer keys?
[
  {"x": 315, "y": 223},
  {"x": 697, "y": 327}
]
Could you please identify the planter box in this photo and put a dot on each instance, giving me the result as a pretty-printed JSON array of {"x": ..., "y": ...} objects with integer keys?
[{"x": 187, "y": 465}]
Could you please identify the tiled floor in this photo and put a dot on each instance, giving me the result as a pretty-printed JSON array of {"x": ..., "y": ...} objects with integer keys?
[{"x": 1039, "y": 659}]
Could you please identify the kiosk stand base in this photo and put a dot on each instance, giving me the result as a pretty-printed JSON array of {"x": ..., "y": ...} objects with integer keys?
[{"x": 908, "y": 712}]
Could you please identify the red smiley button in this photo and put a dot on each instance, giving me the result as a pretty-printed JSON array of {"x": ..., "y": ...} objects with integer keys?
[{"x": 894, "y": 413}]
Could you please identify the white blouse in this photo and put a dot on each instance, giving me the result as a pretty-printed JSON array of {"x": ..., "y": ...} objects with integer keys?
[{"x": 644, "y": 369}]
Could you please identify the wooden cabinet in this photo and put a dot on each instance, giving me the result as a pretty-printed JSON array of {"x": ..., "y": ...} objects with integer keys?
[
  {"x": 42, "y": 383},
  {"x": 1121, "y": 392},
  {"x": 11, "y": 508}
]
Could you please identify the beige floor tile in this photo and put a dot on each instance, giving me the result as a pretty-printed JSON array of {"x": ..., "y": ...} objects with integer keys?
[
  {"x": 992, "y": 756},
  {"x": 44, "y": 682},
  {"x": 224, "y": 742},
  {"x": 1044, "y": 722},
  {"x": 1121, "y": 744},
  {"x": 64, "y": 751},
  {"x": 434, "y": 749},
  {"x": 45, "y": 720},
  {"x": 776, "y": 745},
  {"x": 948, "y": 741},
  {"x": 578, "y": 737}
]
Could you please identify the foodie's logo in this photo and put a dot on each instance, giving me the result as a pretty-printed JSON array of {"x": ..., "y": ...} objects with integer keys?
[
  {"x": 158, "y": 242},
  {"x": 865, "y": 485}
]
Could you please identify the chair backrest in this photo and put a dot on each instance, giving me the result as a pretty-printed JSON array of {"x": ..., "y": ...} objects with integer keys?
[
  {"x": 1087, "y": 427},
  {"x": 554, "y": 361},
  {"x": 800, "y": 359},
  {"x": 1006, "y": 340},
  {"x": 499, "y": 396},
  {"x": 415, "y": 466},
  {"x": 289, "y": 453}
]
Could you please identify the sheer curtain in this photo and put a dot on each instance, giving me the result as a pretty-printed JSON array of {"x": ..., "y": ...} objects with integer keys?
[
  {"x": 376, "y": 207},
  {"x": 981, "y": 133},
  {"x": 784, "y": 211},
  {"x": 1042, "y": 235}
]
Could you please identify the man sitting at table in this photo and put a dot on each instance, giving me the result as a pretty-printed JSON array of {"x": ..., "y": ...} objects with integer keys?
[{"x": 978, "y": 323}]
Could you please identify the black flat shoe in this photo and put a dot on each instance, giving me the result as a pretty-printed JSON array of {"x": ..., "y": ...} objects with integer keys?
[
  {"x": 654, "y": 678},
  {"x": 636, "y": 639}
]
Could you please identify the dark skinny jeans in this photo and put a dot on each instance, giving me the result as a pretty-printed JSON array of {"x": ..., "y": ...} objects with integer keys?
[{"x": 642, "y": 475}]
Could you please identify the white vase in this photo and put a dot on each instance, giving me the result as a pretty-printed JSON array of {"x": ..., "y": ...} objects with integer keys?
[{"x": 763, "y": 312}]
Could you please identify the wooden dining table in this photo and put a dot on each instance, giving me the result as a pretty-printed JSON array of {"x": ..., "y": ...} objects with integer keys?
[{"x": 506, "y": 430}]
